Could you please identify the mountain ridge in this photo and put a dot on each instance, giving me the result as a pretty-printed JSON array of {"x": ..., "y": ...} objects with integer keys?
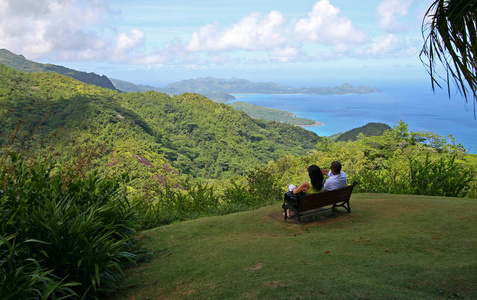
[
  {"x": 242, "y": 86},
  {"x": 20, "y": 63},
  {"x": 217, "y": 89}
]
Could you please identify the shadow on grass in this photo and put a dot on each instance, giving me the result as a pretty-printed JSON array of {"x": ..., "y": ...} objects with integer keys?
[{"x": 314, "y": 216}]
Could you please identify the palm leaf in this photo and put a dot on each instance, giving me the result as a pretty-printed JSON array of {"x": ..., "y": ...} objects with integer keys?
[{"x": 450, "y": 37}]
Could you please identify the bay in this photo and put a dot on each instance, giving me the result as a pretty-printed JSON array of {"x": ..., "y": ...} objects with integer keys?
[{"x": 414, "y": 103}]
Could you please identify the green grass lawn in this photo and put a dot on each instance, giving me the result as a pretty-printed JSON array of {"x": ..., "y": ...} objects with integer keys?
[{"x": 389, "y": 247}]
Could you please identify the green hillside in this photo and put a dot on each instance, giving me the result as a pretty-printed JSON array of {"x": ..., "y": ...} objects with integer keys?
[
  {"x": 187, "y": 134},
  {"x": 270, "y": 114},
  {"x": 370, "y": 129},
  {"x": 19, "y": 62},
  {"x": 128, "y": 87}
]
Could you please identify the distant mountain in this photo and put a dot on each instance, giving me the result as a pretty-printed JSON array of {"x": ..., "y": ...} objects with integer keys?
[
  {"x": 343, "y": 89},
  {"x": 230, "y": 86},
  {"x": 217, "y": 89},
  {"x": 20, "y": 63},
  {"x": 220, "y": 89},
  {"x": 242, "y": 86},
  {"x": 131, "y": 87},
  {"x": 127, "y": 87},
  {"x": 370, "y": 129}
]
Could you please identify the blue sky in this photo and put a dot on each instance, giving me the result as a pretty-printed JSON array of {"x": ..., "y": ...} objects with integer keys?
[{"x": 295, "y": 42}]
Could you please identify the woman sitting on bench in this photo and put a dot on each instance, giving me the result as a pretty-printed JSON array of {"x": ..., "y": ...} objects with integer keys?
[{"x": 313, "y": 187}]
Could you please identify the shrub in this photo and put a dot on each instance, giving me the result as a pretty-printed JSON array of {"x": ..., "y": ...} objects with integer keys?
[
  {"x": 442, "y": 176},
  {"x": 263, "y": 187},
  {"x": 63, "y": 235}
]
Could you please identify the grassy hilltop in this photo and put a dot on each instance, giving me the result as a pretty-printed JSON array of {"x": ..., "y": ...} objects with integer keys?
[{"x": 389, "y": 247}]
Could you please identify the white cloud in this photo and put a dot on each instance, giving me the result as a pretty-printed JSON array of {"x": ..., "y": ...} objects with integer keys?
[
  {"x": 323, "y": 25},
  {"x": 254, "y": 32},
  {"x": 389, "y": 46},
  {"x": 153, "y": 60},
  {"x": 35, "y": 28},
  {"x": 82, "y": 30},
  {"x": 68, "y": 30},
  {"x": 388, "y": 13},
  {"x": 125, "y": 43},
  {"x": 285, "y": 54},
  {"x": 383, "y": 46},
  {"x": 281, "y": 39}
]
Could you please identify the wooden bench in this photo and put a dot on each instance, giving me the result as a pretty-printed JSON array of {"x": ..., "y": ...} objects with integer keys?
[{"x": 337, "y": 198}]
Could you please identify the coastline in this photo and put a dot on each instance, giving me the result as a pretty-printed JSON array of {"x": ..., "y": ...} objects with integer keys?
[{"x": 316, "y": 124}]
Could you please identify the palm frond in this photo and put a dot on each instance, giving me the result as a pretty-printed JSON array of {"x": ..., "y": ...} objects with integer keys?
[{"x": 450, "y": 37}]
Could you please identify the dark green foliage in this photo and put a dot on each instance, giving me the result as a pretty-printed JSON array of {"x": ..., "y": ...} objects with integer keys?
[
  {"x": 206, "y": 139},
  {"x": 150, "y": 135},
  {"x": 263, "y": 186},
  {"x": 370, "y": 129},
  {"x": 442, "y": 176},
  {"x": 192, "y": 199},
  {"x": 62, "y": 234},
  {"x": 22, "y": 277}
]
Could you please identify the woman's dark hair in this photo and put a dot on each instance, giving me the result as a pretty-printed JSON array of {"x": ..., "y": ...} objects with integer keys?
[{"x": 316, "y": 177}]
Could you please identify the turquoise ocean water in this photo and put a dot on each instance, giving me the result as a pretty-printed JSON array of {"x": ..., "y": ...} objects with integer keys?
[{"x": 416, "y": 104}]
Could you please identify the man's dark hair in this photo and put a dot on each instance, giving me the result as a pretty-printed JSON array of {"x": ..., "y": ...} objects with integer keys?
[{"x": 336, "y": 166}]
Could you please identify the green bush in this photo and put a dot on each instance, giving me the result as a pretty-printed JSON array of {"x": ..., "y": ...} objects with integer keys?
[
  {"x": 193, "y": 199},
  {"x": 63, "y": 235},
  {"x": 442, "y": 176},
  {"x": 263, "y": 187}
]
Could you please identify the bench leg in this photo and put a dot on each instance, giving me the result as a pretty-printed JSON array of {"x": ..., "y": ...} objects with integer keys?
[
  {"x": 298, "y": 220},
  {"x": 344, "y": 204}
]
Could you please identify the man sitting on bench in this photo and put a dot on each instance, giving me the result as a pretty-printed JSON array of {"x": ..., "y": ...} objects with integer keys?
[{"x": 336, "y": 177}]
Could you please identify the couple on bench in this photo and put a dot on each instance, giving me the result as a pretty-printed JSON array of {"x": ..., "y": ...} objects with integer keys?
[{"x": 336, "y": 180}]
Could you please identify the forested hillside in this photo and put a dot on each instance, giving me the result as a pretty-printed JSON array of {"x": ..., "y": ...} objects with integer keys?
[
  {"x": 150, "y": 134},
  {"x": 268, "y": 114},
  {"x": 370, "y": 129}
]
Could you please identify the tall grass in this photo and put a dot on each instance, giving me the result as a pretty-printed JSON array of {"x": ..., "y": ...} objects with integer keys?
[
  {"x": 194, "y": 199},
  {"x": 62, "y": 235}
]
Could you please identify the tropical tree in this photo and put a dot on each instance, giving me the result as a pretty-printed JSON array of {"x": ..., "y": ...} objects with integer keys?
[{"x": 450, "y": 37}]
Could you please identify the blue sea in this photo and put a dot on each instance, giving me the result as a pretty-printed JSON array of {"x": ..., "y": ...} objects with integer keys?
[{"x": 415, "y": 104}]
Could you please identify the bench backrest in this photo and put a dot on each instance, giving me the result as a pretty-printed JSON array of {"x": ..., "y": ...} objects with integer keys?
[{"x": 325, "y": 198}]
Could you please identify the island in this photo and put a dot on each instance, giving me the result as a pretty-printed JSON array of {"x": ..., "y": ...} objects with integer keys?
[{"x": 210, "y": 85}]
